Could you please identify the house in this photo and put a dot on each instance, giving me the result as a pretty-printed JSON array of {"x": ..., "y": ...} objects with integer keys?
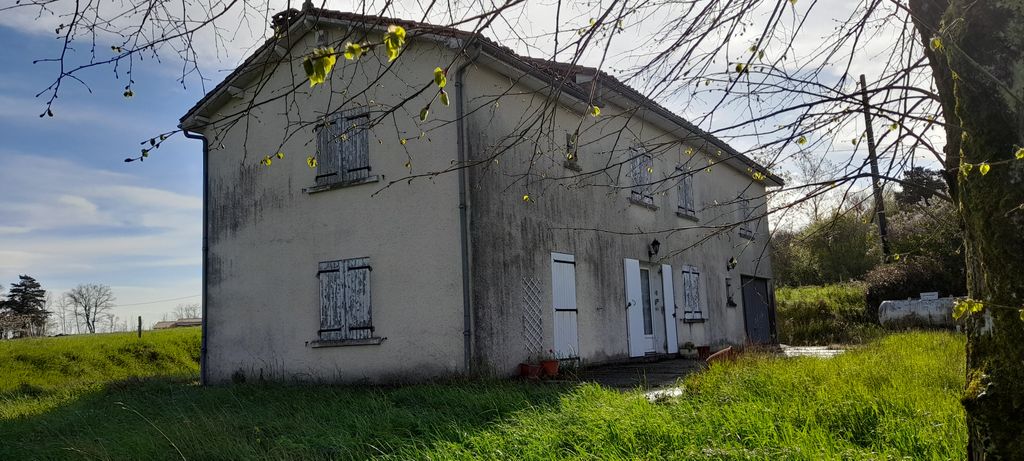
[
  {"x": 187, "y": 322},
  {"x": 515, "y": 221}
]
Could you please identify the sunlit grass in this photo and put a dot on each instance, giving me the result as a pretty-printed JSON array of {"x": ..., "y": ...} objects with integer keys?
[{"x": 896, "y": 398}]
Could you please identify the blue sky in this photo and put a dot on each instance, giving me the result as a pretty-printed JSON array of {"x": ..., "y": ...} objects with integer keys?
[{"x": 72, "y": 210}]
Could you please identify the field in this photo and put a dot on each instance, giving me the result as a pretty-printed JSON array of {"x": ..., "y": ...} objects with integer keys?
[
  {"x": 895, "y": 398},
  {"x": 824, "y": 315}
]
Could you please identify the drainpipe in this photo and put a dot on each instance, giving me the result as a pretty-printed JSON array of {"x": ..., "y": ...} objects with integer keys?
[
  {"x": 460, "y": 142},
  {"x": 206, "y": 251}
]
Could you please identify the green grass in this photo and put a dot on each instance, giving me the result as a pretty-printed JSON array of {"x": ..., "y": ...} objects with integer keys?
[
  {"x": 823, "y": 315},
  {"x": 38, "y": 374},
  {"x": 895, "y": 398}
]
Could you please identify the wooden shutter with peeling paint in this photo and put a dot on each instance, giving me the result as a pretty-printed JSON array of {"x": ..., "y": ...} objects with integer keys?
[
  {"x": 345, "y": 299},
  {"x": 691, "y": 294},
  {"x": 355, "y": 145},
  {"x": 328, "y": 150},
  {"x": 357, "y": 298}
]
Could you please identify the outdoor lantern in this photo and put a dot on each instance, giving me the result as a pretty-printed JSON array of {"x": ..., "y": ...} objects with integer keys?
[
  {"x": 653, "y": 248},
  {"x": 731, "y": 264}
]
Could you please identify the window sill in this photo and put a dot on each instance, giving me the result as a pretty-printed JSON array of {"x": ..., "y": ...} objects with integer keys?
[
  {"x": 694, "y": 320},
  {"x": 686, "y": 215},
  {"x": 345, "y": 342},
  {"x": 340, "y": 184},
  {"x": 649, "y": 206}
]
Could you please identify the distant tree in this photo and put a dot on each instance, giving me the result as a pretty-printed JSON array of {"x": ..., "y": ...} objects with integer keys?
[
  {"x": 188, "y": 311},
  {"x": 24, "y": 310},
  {"x": 921, "y": 185},
  {"x": 92, "y": 303}
]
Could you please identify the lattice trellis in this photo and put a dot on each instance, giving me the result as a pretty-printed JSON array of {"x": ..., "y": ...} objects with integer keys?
[{"x": 533, "y": 323}]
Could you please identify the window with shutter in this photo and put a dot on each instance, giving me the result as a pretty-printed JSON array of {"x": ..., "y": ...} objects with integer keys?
[
  {"x": 343, "y": 148},
  {"x": 642, "y": 167},
  {"x": 345, "y": 307},
  {"x": 692, "y": 311},
  {"x": 746, "y": 215},
  {"x": 686, "y": 206}
]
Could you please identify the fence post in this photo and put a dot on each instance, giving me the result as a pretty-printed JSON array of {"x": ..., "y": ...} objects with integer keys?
[{"x": 140, "y": 326}]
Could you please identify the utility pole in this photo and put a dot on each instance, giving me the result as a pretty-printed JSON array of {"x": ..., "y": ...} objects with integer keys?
[{"x": 876, "y": 182}]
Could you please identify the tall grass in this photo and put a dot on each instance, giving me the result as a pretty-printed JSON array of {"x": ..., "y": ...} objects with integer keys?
[
  {"x": 896, "y": 398},
  {"x": 38, "y": 373},
  {"x": 823, "y": 315}
]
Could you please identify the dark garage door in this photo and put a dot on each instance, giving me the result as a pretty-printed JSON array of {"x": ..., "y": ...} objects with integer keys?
[{"x": 758, "y": 310}]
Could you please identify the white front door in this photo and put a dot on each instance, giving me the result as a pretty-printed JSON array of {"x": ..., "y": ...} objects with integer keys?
[
  {"x": 648, "y": 297},
  {"x": 563, "y": 297},
  {"x": 650, "y": 309}
]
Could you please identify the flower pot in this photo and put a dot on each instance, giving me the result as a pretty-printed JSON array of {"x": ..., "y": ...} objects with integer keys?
[
  {"x": 550, "y": 367},
  {"x": 530, "y": 370}
]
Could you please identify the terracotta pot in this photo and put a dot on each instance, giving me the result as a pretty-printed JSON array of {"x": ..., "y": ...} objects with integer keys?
[
  {"x": 530, "y": 370},
  {"x": 550, "y": 367}
]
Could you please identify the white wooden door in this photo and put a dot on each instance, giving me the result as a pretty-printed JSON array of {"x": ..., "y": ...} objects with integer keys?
[
  {"x": 563, "y": 297},
  {"x": 668, "y": 292},
  {"x": 634, "y": 309}
]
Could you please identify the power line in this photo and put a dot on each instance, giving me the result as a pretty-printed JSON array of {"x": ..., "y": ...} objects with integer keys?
[{"x": 155, "y": 302}]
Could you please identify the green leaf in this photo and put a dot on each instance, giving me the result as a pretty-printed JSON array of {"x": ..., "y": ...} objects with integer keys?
[
  {"x": 966, "y": 168},
  {"x": 444, "y": 98},
  {"x": 394, "y": 39},
  {"x": 1020, "y": 153},
  {"x": 266, "y": 160},
  {"x": 959, "y": 309},
  {"x": 1021, "y": 315},
  {"x": 424, "y": 112},
  {"x": 802, "y": 140},
  {"x": 983, "y": 168},
  {"x": 353, "y": 51},
  {"x": 894, "y": 127},
  {"x": 319, "y": 64},
  {"x": 595, "y": 111},
  {"x": 311, "y": 161},
  {"x": 526, "y": 198},
  {"x": 439, "y": 78},
  {"x": 741, "y": 68},
  {"x": 936, "y": 43}
]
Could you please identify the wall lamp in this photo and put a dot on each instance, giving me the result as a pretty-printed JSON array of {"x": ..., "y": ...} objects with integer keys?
[{"x": 653, "y": 248}]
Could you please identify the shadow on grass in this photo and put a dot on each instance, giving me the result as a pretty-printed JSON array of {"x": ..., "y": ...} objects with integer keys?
[{"x": 163, "y": 418}]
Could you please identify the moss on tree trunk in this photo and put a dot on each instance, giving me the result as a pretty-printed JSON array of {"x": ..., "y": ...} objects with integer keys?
[{"x": 979, "y": 72}]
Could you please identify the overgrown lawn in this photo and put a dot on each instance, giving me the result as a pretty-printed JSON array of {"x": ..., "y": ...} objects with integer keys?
[{"x": 896, "y": 398}]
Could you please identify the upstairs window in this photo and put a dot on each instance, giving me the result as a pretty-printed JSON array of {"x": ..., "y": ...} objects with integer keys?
[
  {"x": 641, "y": 171},
  {"x": 745, "y": 217},
  {"x": 684, "y": 190},
  {"x": 343, "y": 148},
  {"x": 345, "y": 307}
]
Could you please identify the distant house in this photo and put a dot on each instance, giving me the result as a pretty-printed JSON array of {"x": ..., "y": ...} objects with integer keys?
[
  {"x": 163, "y": 324},
  {"x": 603, "y": 238}
]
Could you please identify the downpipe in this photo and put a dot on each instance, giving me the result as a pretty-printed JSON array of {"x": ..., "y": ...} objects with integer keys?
[
  {"x": 467, "y": 307},
  {"x": 206, "y": 250}
]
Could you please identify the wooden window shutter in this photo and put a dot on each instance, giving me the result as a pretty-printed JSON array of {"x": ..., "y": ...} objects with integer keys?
[
  {"x": 328, "y": 150},
  {"x": 357, "y": 298},
  {"x": 333, "y": 323},
  {"x": 691, "y": 294},
  {"x": 356, "y": 145}
]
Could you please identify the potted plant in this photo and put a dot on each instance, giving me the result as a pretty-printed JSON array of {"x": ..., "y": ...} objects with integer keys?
[
  {"x": 530, "y": 370},
  {"x": 550, "y": 364}
]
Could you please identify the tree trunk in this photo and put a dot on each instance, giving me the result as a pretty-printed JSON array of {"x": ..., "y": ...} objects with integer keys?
[{"x": 979, "y": 72}]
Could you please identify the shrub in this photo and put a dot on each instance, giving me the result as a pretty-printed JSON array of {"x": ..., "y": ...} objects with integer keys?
[
  {"x": 907, "y": 279},
  {"x": 822, "y": 315}
]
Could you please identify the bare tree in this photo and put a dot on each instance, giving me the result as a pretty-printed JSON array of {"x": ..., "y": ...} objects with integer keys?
[
  {"x": 945, "y": 81},
  {"x": 188, "y": 311},
  {"x": 92, "y": 303}
]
